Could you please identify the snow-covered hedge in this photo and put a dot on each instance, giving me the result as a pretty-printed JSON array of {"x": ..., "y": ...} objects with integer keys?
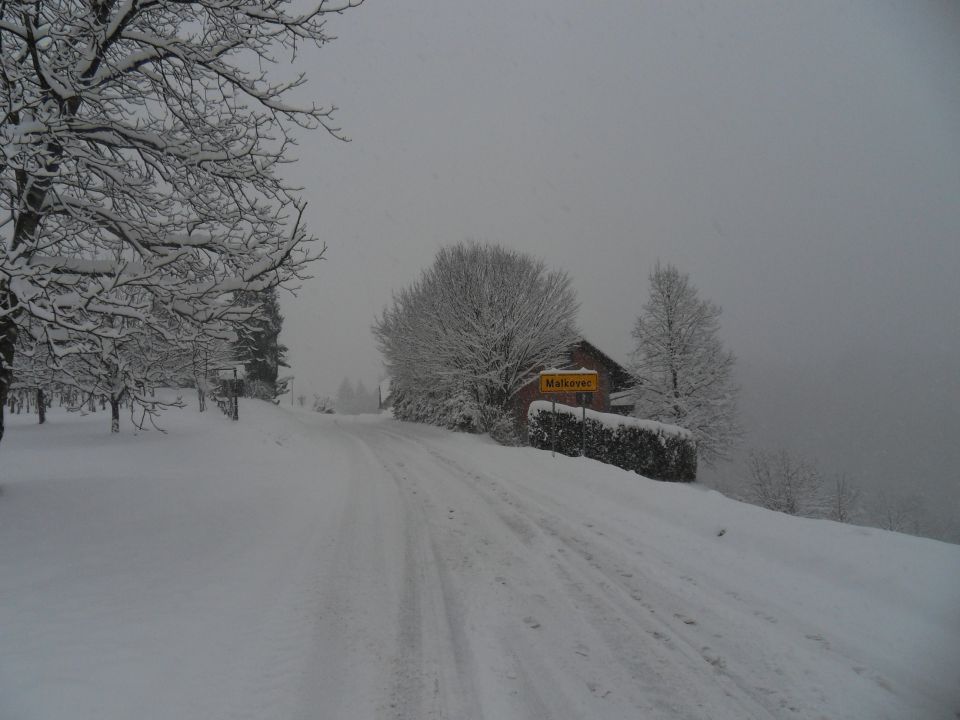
[{"x": 655, "y": 450}]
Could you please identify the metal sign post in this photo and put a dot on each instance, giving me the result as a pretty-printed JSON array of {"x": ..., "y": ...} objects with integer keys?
[
  {"x": 583, "y": 424},
  {"x": 232, "y": 378},
  {"x": 553, "y": 428},
  {"x": 583, "y": 382}
]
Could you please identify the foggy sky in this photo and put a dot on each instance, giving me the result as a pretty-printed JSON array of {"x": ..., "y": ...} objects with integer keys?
[{"x": 800, "y": 160}]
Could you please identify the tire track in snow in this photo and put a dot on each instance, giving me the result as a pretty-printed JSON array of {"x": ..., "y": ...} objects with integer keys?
[
  {"x": 433, "y": 667},
  {"x": 621, "y": 639},
  {"x": 576, "y": 604},
  {"x": 653, "y": 649}
]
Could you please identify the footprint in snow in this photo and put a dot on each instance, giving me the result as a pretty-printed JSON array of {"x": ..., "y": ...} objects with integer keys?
[
  {"x": 713, "y": 658},
  {"x": 598, "y": 690},
  {"x": 531, "y": 622}
]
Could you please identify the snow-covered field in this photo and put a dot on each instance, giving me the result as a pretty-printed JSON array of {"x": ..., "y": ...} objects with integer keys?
[{"x": 294, "y": 565}]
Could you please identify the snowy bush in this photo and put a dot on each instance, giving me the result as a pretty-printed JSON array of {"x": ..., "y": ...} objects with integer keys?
[
  {"x": 654, "y": 450},
  {"x": 782, "y": 482},
  {"x": 259, "y": 389},
  {"x": 321, "y": 404}
]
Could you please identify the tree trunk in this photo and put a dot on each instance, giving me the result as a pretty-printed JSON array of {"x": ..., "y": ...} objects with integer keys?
[
  {"x": 114, "y": 414},
  {"x": 201, "y": 399},
  {"x": 8, "y": 340},
  {"x": 3, "y": 402},
  {"x": 41, "y": 406}
]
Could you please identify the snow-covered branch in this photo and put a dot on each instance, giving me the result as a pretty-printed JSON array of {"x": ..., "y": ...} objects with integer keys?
[{"x": 139, "y": 160}]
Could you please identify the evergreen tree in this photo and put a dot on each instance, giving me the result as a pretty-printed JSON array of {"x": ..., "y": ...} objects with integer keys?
[
  {"x": 346, "y": 398},
  {"x": 683, "y": 373},
  {"x": 365, "y": 401},
  {"x": 258, "y": 344}
]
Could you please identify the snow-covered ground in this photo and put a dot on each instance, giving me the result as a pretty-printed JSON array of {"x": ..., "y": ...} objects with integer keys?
[{"x": 294, "y": 565}]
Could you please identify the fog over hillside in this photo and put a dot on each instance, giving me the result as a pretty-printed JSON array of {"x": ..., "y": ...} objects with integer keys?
[{"x": 801, "y": 161}]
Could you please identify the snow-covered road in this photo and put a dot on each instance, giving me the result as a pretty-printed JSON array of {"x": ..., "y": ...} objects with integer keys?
[{"x": 306, "y": 566}]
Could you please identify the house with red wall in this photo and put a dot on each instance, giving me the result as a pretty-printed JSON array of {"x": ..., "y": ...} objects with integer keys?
[{"x": 611, "y": 376}]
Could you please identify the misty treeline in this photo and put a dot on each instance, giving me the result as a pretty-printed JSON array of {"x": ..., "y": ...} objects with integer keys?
[
  {"x": 351, "y": 399},
  {"x": 790, "y": 483},
  {"x": 354, "y": 399},
  {"x": 143, "y": 213}
]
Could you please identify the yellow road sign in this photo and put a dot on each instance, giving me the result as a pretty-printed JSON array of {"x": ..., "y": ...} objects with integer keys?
[{"x": 569, "y": 381}]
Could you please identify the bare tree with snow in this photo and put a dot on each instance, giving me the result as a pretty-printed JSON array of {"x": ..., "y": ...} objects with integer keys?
[
  {"x": 473, "y": 330},
  {"x": 208, "y": 355},
  {"x": 844, "y": 499},
  {"x": 34, "y": 373},
  {"x": 124, "y": 368},
  {"x": 900, "y": 512},
  {"x": 683, "y": 373},
  {"x": 140, "y": 146},
  {"x": 779, "y": 481}
]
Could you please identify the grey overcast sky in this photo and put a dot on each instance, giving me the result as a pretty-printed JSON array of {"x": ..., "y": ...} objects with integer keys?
[{"x": 800, "y": 160}]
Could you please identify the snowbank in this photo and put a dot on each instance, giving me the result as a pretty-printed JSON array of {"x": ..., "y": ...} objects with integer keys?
[{"x": 611, "y": 420}]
